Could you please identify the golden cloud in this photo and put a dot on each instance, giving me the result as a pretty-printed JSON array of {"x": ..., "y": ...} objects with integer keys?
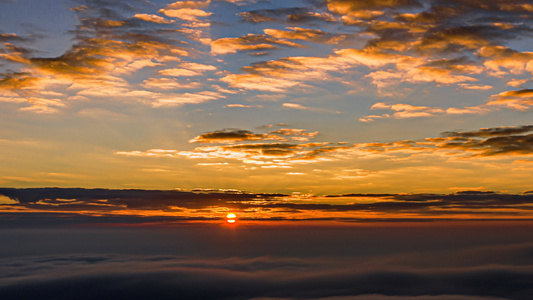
[
  {"x": 250, "y": 42},
  {"x": 297, "y": 33},
  {"x": 153, "y": 18},
  {"x": 169, "y": 84},
  {"x": 186, "y": 14},
  {"x": 521, "y": 100},
  {"x": 500, "y": 57}
]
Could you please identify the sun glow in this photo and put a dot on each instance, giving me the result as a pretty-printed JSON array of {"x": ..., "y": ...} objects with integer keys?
[{"x": 230, "y": 218}]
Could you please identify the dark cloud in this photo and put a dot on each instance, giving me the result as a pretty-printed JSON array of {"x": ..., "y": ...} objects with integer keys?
[
  {"x": 228, "y": 135},
  {"x": 22, "y": 51},
  {"x": 459, "y": 39},
  {"x": 492, "y": 5},
  {"x": 132, "y": 202},
  {"x": 130, "y": 198},
  {"x": 520, "y": 93},
  {"x": 484, "y": 142},
  {"x": 273, "y": 149},
  {"x": 495, "y": 145},
  {"x": 255, "y": 17}
]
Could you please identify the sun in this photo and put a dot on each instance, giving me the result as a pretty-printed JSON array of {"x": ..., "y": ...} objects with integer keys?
[{"x": 230, "y": 218}]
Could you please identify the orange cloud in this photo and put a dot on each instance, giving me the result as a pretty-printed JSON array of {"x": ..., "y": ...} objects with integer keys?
[
  {"x": 186, "y": 14},
  {"x": 189, "y": 4},
  {"x": 258, "y": 82},
  {"x": 17, "y": 81},
  {"x": 250, "y": 42},
  {"x": 187, "y": 10},
  {"x": 187, "y": 70},
  {"x": 521, "y": 100},
  {"x": 402, "y": 111},
  {"x": 292, "y": 71},
  {"x": 294, "y": 106},
  {"x": 468, "y": 110},
  {"x": 241, "y": 106},
  {"x": 500, "y": 57},
  {"x": 152, "y": 18},
  {"x": 475, "y": 87},
  {"x": 408, "y": 111},
  {"x": 517, "y": 82},
  {"x": 158, "y": 100},
  {"x": 485, "y": 142},
  {"x": 169, "y": 84}
]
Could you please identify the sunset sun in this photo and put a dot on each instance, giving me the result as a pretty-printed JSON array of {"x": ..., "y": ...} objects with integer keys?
[{"x": 231, "y": 218}]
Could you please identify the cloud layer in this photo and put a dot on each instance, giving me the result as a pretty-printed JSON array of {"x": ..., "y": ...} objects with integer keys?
[
  {"x": 214, "y": 205},
  {"x": 409, "y": 275}
]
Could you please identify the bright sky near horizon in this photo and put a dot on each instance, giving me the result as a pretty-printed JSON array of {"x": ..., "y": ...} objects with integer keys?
[{"x": 316, "y": 96}]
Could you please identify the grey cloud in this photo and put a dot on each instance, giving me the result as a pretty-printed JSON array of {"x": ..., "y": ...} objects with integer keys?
[
  {"x": 489, "y": 132},
  {"x": 497, "y": 145},
  {"x": 483, "y": 142},
  {"x": 10, "y": 37},
  {"x": 227, "y": 135},
  {"x": 309, "y": 17},
  {"x": 270, "y": 15},
  {"x": 255, "y": 17}
]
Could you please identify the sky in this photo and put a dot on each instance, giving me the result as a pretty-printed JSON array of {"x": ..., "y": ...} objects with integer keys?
[
  {"x": 318, "y": 97},
  {"x": 378, "y": 149}
]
